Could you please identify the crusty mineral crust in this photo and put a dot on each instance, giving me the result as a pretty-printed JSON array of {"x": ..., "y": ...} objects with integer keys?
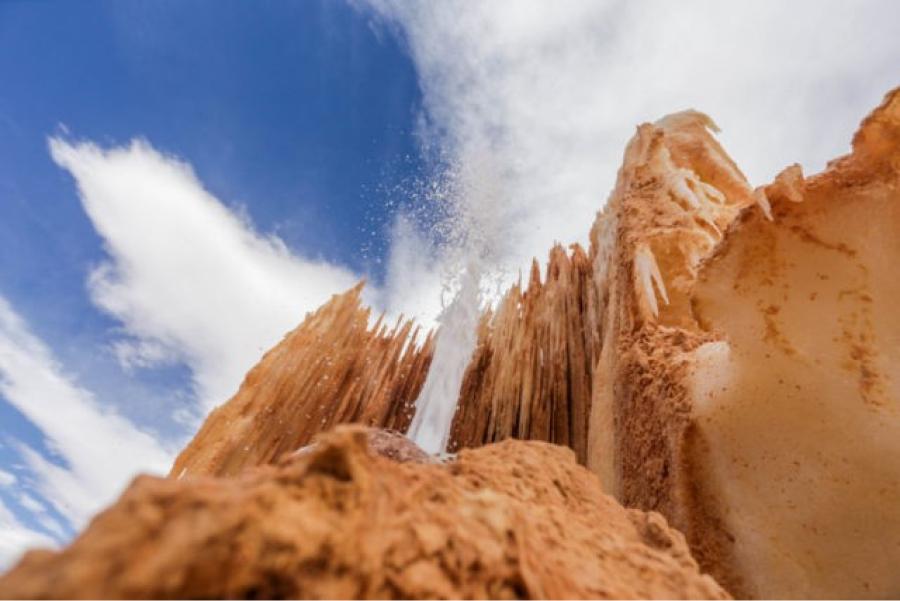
[
  {"x": 747, "y": 385},
  {"x": 509, "y": 520}
]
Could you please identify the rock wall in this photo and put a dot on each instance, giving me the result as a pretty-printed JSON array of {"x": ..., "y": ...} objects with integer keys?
[
  {"x": 531, "y": 373},
  {"x": 676, "y": 196}
]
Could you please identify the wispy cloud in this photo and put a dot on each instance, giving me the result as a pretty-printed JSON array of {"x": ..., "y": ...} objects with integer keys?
[
  {"x": 532, "y": 105},
  {"x": 99, "y": 450},
  {"x": 190, "y": 279},
  {"x": 17, "y": 537},
  {"x": 541, "y": 100},
  {"x": 7, "y": 478},
  {"x": 191, "y": 282}
]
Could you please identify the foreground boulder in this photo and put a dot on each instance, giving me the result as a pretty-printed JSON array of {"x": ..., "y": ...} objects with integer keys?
[{"x": 510, "y": 520}]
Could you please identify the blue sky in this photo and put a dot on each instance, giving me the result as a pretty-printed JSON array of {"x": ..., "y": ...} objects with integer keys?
[
  {"x": 180, "y": 182},
  {"x": 299, "y": 115},
  {"x": 301, "y": 111}
]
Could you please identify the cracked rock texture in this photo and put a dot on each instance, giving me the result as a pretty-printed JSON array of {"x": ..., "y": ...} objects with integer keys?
[{"x": 513, "y": 519}]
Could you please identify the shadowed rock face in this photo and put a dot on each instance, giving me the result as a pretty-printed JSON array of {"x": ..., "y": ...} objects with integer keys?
[{"x": 511, "y": 520}]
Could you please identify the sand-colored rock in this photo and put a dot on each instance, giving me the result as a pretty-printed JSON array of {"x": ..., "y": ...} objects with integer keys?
[
  {"x": 797, "y": 401},
  {"x": 509, "y": 520},
  {"x": 676, "y": 195},
  {"x": 531, "y": 373},
  {"x": 748, "y": 381},
  {"x": 333, "y": 368}
]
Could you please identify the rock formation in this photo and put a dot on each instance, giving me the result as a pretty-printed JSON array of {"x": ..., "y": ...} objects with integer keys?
[
  {"x": 748, "y": 385},
  {"x": 722, "y": 355},
  {"x": 333, "y": 368},
  {"x": 514, "y": 519},
  {"x": 531, "y": 374}
]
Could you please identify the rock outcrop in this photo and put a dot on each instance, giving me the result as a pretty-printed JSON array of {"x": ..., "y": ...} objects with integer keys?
[
  {"x": 676, "y": 196},
  {"x": 531, "y": 374},
  {"x": 333, "y": 368},
  {"x": 748, "y": 386},
  {"x": 510, "y": 520}
]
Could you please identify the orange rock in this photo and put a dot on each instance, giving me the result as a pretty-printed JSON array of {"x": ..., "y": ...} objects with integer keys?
[
  {"x": 332, "y": 369},
  {"x": 531, "y": 373},
  {"x": 510, "y": 520},
  {"x": 747, "y": 386}
]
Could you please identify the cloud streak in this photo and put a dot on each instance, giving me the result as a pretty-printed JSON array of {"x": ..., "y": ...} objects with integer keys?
[
  {"x": 17, "y": 537},
  {"x": 540, "y": 101},
  {"x": 99, "y": 450},
  {"x": 190, "y": 280}
]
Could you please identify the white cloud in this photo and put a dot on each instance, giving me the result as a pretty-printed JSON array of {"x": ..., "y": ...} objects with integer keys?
[
  {"x": 102, "y": 450},
  {"x": 39, "y": 512},
  {"x": 541, "y": 99},
  {"x": 532, "y": 104},
  {"x": 414, "y": 283},
  {"x": 7, "y": 478},
  {"x": 30, "y": 503},
  {"x": 17, "y": 538},
  {"x": 189, "y": 279}
]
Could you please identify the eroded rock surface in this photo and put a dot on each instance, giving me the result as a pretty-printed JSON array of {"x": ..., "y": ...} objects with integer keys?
[
  {"x": 748, "y": 386},
  {"x": 332, "y": 369},
  {"x": 510, "y": 520},
  {"x": 531, "y": 374},
  {"x": 797, "y": 400}
]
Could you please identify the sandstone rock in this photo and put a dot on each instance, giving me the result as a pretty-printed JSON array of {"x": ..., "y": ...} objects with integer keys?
[
  {"x": 748, "y": 386},
  {"x": 510, "y": 520},
  {"x": 333, "y": 368},
  {"x": 676, "y": 195},
  {"x": 530, "y": 376}
]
